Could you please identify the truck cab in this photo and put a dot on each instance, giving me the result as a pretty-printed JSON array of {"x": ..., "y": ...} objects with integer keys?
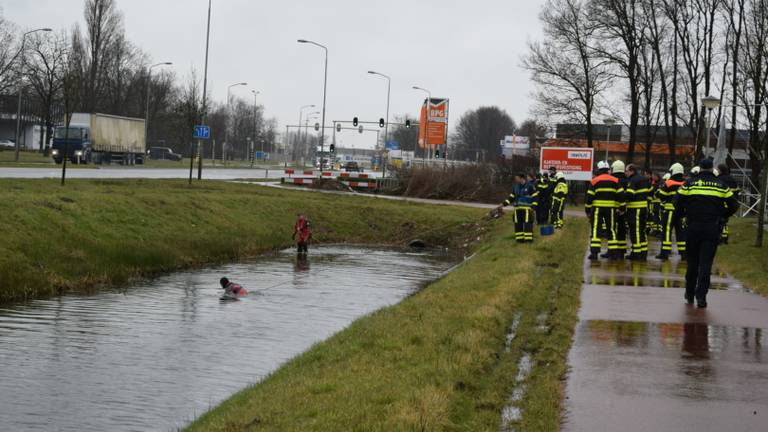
[{"x": 73, "y": 142}]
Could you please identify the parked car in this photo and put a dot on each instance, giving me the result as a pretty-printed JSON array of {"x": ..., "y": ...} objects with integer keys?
[
  {"x": 7, "y": 144},
  {"x": 163, "y": 153},
  {"x": 352, "y": 166}
]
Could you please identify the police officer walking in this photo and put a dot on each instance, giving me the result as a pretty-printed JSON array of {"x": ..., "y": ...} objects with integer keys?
[{"x": 705, "y": 201}]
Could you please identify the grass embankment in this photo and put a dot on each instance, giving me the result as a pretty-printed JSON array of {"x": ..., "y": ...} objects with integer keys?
[
  {"x": 108, "y": 232},
  {"x": 742, "y": 259},
  {"x": 436, "y": 361}
]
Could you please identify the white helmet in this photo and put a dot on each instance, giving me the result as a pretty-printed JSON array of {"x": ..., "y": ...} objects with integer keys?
[
  {"x": 603, "y": 165},
  {"x": 560, "y": 176},
  {"x": 617, "y": 167},
  {"x": 667, "y": 176},
  {"x": 676, "y": 169},
  {"x": 716, "y": 172},
  {"x": 695, "y": 170}
]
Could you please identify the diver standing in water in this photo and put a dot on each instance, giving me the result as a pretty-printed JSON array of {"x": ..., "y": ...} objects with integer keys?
[{"x": 302, "y": 234}]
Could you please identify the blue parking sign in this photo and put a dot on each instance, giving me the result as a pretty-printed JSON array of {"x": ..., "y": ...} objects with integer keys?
[{"x": 202, "y": 132}]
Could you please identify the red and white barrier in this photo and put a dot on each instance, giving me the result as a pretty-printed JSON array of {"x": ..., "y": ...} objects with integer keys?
[
  {"x": 299, "y": 180},
  {"x": 357, "y": 176},
  {"x": 360, "y": 185}
]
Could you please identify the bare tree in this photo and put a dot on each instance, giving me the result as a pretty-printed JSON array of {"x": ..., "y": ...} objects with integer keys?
[
  {"x": 568, "y": 74},
  {"x": 479, "y": 132},
  {"x": 46, "y": 67},
  {"x": 103, "y": 24},
  {"x": 734, "y": 12},
  {"x": 621, "y": 43},
  {"x": 9, "y": 55}
]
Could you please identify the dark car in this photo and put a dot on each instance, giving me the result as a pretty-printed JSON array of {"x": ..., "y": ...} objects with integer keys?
[
  {"x": 352, "y": 166},
  {"x": 163, "y": 153}
]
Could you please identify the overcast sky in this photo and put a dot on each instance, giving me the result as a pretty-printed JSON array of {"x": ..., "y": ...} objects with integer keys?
[{"x": 468, "y": 51}]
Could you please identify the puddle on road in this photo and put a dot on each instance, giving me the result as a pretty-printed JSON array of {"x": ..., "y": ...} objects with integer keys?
[{"x": 159, "y": 354}]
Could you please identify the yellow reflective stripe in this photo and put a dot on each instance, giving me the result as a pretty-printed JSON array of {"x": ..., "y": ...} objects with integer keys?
[
  {"x": 604, "y": 203},
  {"x": 638, "y": 205},
  {"x": 705, "y": 192},
  {"x": 590, "y": 192},
  {"x": 606, "y": 190},
  {"x": 638, "y": 191}
]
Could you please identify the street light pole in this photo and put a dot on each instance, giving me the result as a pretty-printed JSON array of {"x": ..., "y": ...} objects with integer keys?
[
  {"x": 256, "y": 94},
  {"x": 386, "y": 124},
  {"x": 426, "y": 120},
  {"x": 325, "y": 92},
  {"x": 229, "y": 113},
  {"x": 609, "y": 122},
  {"x": 149, "y": 84},
  {"x": 21, "y": 89},
  {"x": 205, "y": 106},
  {"x": 710, "y": 103}
]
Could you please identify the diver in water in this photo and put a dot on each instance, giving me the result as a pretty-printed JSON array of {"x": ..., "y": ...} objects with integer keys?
[
  {"x": 302, "y": 234},
  {"x": 232, "y": 289}
]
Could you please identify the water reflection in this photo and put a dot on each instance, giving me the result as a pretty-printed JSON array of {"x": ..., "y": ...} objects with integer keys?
[{"x": 159, "y": 354}]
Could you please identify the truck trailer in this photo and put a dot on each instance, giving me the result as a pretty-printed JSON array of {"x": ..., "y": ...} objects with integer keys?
[{"x": 100, "y": 138}]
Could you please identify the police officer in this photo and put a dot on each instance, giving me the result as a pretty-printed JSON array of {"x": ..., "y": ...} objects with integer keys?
[
  {"x": 638, "y": 190},
  {"x": 558, "y": 200},
  {"x": 618, "y": 171},
  {"x": 704, "y": 201},
  {"x": 670, "y": 223},
  {"x": 726, "y": 177},
  {"x": 524, "y": 198},
  {"x": 603, "y": 200}
]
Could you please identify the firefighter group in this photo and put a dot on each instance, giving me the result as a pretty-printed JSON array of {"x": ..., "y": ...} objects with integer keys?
[{"x": 687, "y": 212}]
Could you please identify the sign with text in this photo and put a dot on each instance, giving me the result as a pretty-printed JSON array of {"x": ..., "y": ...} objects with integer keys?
[
  {"x": 437, "y": 124},
  {"x": 575, "y": 163},
  {"x": 202, "y": 132}
]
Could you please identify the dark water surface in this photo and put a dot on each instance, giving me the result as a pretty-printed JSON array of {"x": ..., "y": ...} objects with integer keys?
[{"x": 162, "y": 353}]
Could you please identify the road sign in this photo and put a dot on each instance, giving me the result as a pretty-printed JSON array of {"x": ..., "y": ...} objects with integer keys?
[
  {"x": 574, "y": 162},
  {"x": 202, "y": 132},
  {"x": 393, "y": 145}
]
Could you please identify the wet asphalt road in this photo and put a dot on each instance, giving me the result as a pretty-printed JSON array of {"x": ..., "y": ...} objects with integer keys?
[{"x": 642, "y": 360}]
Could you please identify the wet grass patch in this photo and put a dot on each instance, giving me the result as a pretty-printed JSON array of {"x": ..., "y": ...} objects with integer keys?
[
  {"x": 741, "y": 258},
  {"x": 96, "y": 233},
  {"x": 444, "y": 359}
]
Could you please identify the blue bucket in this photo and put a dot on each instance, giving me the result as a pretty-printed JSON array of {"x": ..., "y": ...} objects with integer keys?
[{"x": 547, "y": 230}]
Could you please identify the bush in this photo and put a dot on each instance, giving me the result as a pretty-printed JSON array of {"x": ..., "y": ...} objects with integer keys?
[{"x": 476, "y": 183}]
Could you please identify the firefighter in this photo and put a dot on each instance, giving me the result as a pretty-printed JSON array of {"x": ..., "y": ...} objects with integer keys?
[
  {"x": 726, "y": 177},
  {"x": 524, "y": 198},
  {"x": 704, "y": 201},
  {"x": 604, "y": 197},
  {"x": 544, "y": 188},
  {"x": 618, "y": 171},
  {"x": 670, "y": 223},
  {"x": 558, "y": 200},
  {"x": 637, "y": 194}
]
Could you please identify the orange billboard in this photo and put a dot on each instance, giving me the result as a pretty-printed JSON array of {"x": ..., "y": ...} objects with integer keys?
[{"x": 436, "y": 126}]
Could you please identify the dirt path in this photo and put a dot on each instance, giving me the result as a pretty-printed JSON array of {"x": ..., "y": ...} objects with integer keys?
[{"x": 643, "y": 360}]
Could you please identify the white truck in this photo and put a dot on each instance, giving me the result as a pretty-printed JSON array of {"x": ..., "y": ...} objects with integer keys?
[{"x": 100, "y": 138}]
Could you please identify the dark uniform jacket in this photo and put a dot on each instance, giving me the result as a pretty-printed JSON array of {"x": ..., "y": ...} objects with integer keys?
[
  {"x": 523, "y": 195},
  {"x": 705, "y": 199},
  {"x": 638, "y": 191},
  {"x": 732, "y": 184},
  {"x": 605, "y": 191}
]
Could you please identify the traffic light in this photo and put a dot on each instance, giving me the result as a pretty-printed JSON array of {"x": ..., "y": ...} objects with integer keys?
[
  {"x": 355, "y": 122},
  {"x": 317, "y": 127},
  {"x": 408, "y": 124},
  {"x": 360, "y": 129},
  {"x": 333, "y": 148},
  {"x": 437, "y": 154},
  {"x": 338, "y": 127},
  {"x": 381, "y": 123}
]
